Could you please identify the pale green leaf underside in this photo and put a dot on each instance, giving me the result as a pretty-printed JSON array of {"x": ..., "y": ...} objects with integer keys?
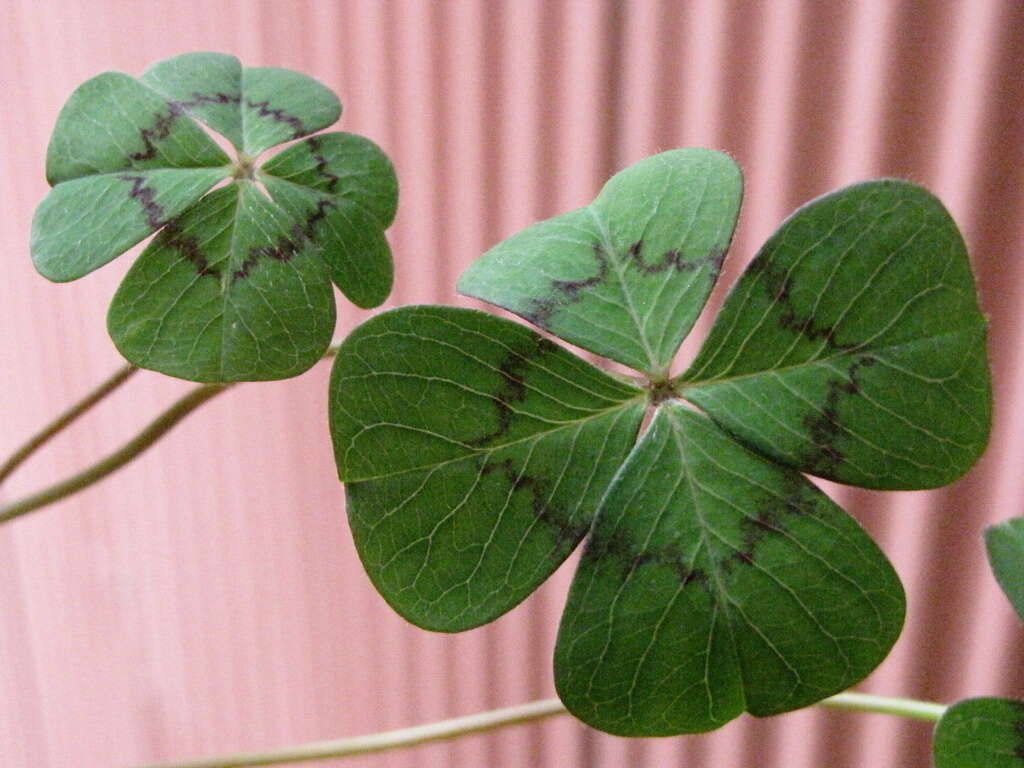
[
  {"x": 1005, "y": 546},
  {"x": 231, "y": 291},
  {"x": 254, "y": 107},
  {"x": 474, "y": 453},
  {"x": 626, "y": 276},
  {"x": 853, "y": 347},
  {"x": 714, "y": 583},
  {"x": 981, "y": 733}
]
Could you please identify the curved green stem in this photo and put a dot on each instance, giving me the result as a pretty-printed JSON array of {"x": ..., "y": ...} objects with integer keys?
[
  {"x": 498, "y": 718},
  {"x": 64, "y": 420},
  {"x": 130, "y": 450}
]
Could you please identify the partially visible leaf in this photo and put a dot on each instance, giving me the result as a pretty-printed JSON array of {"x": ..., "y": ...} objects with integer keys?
[
  {"x": 626, "y": 276},
  {"x": 981, "y": 733},
  {"x": 84, "y": 223},
  {"x": 232, "y": 291},
  {"x": 474, "y": 453},
  {"x": 853, "y": 347},
  {"x": 714, "y": 583},
  {"x": 1005, "y": 545},
  {"x": 255, "y": 107}
]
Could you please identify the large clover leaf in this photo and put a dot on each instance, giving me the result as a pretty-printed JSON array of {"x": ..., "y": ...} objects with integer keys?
[
  {"x": 716, "y": 579},
  {"x": 237, "y": 285}
]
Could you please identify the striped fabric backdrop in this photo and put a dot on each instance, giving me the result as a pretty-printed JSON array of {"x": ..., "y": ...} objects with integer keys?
[{"x": 207, "y": 598}]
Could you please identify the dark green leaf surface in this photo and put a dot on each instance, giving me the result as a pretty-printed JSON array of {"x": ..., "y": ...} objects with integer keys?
[
  {"x": 626, "y": 276},
  {"x": 231, "y": 291},
  {"x": 853, "y": 347},
  {"x": 475, "y": 453},
  {"x": 714, "y": 583},
  {"x": 1005, "y": 545},
  {"x": 254, "y": 107},
  {"x": 981, "y": 733}
]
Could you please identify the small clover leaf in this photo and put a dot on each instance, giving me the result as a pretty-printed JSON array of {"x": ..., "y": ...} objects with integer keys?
[
  {"x": 980, "y": 733},
  {"x": 236, "y": 285},
  {"x": 1005, "y": 546},
  {"x": 716, "y": 579}
]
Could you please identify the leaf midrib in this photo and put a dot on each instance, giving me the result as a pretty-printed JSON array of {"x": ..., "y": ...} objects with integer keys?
[{"x": 620, "y": 406}]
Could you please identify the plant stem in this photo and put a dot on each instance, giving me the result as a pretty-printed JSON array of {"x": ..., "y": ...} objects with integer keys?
[
  {"x": 381, "y": 742},
  {"x": 886, "y": 705},
  {"x": 130, "y": 450},
  {"x": 499, "y": 718},
  {"x": 65, "y": 419}
]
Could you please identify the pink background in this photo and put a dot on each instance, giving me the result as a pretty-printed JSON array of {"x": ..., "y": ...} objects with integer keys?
[{"x": 207, "y": 598}]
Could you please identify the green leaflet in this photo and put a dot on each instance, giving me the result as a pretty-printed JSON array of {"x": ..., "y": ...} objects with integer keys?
[
  {"x": 626, "y": 276},
  {"x": 716, "y": 580},
  {"x": 359, "y": 182},
  {"x": 714, "y": 583},
  {"x": 227, "y": 292},
  {"x": 69, "y": 240},
  {"x": 475, "y": 453},
  {"x": 254, "y": 107},
  {"x": 853, "y": 347},
  {"x": 981, "y": 733},
  {"x": 1005, "y": 546},
  {"x": 236, "y": 285}
]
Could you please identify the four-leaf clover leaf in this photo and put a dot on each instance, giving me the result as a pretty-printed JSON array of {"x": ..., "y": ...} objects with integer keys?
[
  {"x": 237, "y": 283},
  {"x": 716, "y": 579}
]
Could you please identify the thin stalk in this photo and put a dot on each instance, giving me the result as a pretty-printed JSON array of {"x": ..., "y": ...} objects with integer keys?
[
  {"x": 130, "y": 450},
  {"x": 494, "y": 719},
  {"x": 886, "y": 705},
  {"x": 64, "y": 420}
]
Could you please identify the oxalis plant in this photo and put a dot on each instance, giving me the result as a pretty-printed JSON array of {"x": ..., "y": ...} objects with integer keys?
[{"x": 477, "y": 454}]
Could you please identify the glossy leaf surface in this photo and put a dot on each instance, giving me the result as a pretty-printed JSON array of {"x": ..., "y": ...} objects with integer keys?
[
  {"x": 715, "y": 582},
  {"x": 475, "y": 453},
  {"x": 1005, "y": 546},
  {"x": 981, "y": 733},
  {"x": 626, "y": 276},
  {"x": 853, "y": 347},
  {"x": 237, "y": 285}
]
